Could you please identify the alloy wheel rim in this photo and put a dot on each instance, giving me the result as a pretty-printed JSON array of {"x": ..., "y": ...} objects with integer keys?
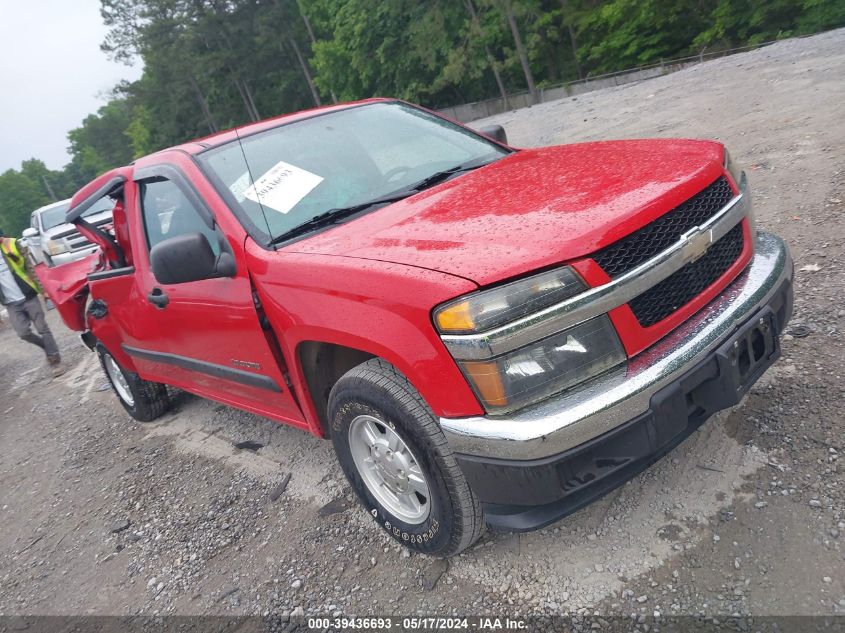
[
  {"x": 121, "y": 385},
  {"x": 389, "y": 469}
]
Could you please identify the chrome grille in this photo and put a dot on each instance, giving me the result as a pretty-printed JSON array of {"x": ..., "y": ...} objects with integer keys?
[
  {"x": 674, "y": 292},
  {"x": 75, "y": 240},
  {"x": 642, "y": 245}
]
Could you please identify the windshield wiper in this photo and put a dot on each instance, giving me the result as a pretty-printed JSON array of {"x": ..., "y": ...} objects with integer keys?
[
  {"x": 333, "y": 216},
  {"x": 440, "y": 176}
]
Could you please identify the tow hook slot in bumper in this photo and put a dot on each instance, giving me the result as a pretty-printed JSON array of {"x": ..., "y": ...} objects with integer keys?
[{"x": 747, "y": 355}]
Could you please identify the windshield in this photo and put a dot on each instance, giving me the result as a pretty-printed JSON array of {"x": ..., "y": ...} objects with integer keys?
[
  {"x": 288, "y": 175},
  {"x": 56, "y": 215}
]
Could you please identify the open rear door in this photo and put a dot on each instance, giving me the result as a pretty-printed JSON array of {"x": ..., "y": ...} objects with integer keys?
[
  {"x": 67, "y": 285},
  {"x": 109, "y": 184}
]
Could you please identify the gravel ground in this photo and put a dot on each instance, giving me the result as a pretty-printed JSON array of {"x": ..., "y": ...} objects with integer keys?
[{"x": 103, "y": 515}]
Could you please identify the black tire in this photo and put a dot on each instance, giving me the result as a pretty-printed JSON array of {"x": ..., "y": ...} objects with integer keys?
[
  {"x": 149, "y": 399},
  {"x": 375, "y": 388}
]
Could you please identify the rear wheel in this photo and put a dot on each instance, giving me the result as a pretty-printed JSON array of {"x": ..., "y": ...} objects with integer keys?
[
  {"x": 143, "y": 400},
  {"x": 397, "y": 460}
]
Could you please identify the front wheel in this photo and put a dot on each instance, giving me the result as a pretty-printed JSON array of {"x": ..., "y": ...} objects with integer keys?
[
  {"x": 143, "y": 400},
  {"x": 397, "y": 460}
]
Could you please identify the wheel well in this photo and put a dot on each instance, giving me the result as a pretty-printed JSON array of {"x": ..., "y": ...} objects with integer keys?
[{"x": 322, "y": 365}]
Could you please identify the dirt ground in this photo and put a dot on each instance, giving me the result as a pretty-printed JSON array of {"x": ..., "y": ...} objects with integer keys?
[{"x": 103, "y": 515}]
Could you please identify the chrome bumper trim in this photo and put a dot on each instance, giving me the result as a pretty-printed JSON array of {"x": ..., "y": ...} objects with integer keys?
[
  {"x": 601, "y": 299},
  {"x": 585, "y": 412}
]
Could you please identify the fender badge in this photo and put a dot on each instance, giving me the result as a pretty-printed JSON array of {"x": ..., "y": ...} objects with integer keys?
[{"x": 245, "y": 364}]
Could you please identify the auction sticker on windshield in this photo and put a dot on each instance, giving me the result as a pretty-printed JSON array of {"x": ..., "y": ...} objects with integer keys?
[{"x": 282, "y": 187}]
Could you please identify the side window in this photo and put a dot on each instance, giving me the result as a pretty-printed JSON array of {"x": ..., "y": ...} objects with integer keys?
[{"x": 168, "y": 213}]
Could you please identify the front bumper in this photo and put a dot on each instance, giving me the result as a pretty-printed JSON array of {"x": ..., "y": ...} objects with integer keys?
[{"x": 539, "y": 464}]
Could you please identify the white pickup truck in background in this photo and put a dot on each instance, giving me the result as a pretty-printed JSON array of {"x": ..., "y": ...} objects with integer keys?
[{"x": 53, "y": 241}]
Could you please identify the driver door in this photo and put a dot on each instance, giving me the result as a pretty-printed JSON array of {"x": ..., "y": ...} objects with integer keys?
[{"x": 203, "y": 336}]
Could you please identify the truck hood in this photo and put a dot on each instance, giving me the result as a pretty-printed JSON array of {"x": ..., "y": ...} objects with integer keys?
[
  {"x": 531, "y": 209},
  {"x": 67, "y": 229}
]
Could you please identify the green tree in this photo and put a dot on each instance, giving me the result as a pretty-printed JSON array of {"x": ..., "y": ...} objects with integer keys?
[
  {"x": 20, "y": 195},
  {"x": 626, "y": 33},
  {"x": 818, "y": 15},
  {"x": 420, "y": 50},
  {"x": 510, "y": 9},
  {"x": 737, "y": 22},
  {"x": 100, "y": 143},
  {"x": 140, "y": 131}
]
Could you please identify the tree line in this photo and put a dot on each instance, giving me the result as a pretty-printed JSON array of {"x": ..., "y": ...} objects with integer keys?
[{"x": 213, "y": 64}]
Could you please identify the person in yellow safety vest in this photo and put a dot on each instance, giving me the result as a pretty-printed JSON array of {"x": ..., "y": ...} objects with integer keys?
[{"x": 19, "y": 294}]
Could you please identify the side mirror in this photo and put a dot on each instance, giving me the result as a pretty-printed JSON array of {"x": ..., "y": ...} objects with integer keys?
[
  {"x": 29, "y": 232},
  {"x": 496, "y": 132},
  {"x": 189, "y": 257}
]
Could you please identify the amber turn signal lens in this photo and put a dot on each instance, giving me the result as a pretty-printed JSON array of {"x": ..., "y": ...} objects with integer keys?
[
  {"x": 456, "y": 318},
  {"x": 488, "y": 382},
  {"x": 488, "y": 309}
]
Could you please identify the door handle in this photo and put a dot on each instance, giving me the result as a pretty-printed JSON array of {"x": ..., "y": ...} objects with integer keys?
[{"x": 158, "y": 298}]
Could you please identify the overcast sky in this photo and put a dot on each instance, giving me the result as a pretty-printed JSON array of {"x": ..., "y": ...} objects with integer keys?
[{"x": 52, "y": 75}]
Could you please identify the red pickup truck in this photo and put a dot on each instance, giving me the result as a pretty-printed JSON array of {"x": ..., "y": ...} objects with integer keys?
[{"x": 487, "y": 334}]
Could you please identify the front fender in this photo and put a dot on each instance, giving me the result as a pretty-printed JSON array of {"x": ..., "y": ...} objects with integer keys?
[{"x": 380, "y": 308}]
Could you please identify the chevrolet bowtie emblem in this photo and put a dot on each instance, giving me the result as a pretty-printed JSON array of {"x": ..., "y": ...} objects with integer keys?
[{"x": 696, "y": 242}]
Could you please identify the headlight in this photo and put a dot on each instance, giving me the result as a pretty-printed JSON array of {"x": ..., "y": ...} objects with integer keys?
[
  {"x": 56, "y": 248},
  {"x": 488, "y": 309},
  {"x": 534, "y": 372},
  {"x": 544, "y": 367},
  {"x": 732, "y": 168}
]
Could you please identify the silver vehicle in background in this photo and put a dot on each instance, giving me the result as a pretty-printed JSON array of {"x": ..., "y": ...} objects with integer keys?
[{"x": 55, "y": 242}]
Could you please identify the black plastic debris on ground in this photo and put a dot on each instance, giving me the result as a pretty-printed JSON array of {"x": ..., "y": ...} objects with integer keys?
[
  {"x": 799, "y": 331},
  {"x": 249, "y": 445}
]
